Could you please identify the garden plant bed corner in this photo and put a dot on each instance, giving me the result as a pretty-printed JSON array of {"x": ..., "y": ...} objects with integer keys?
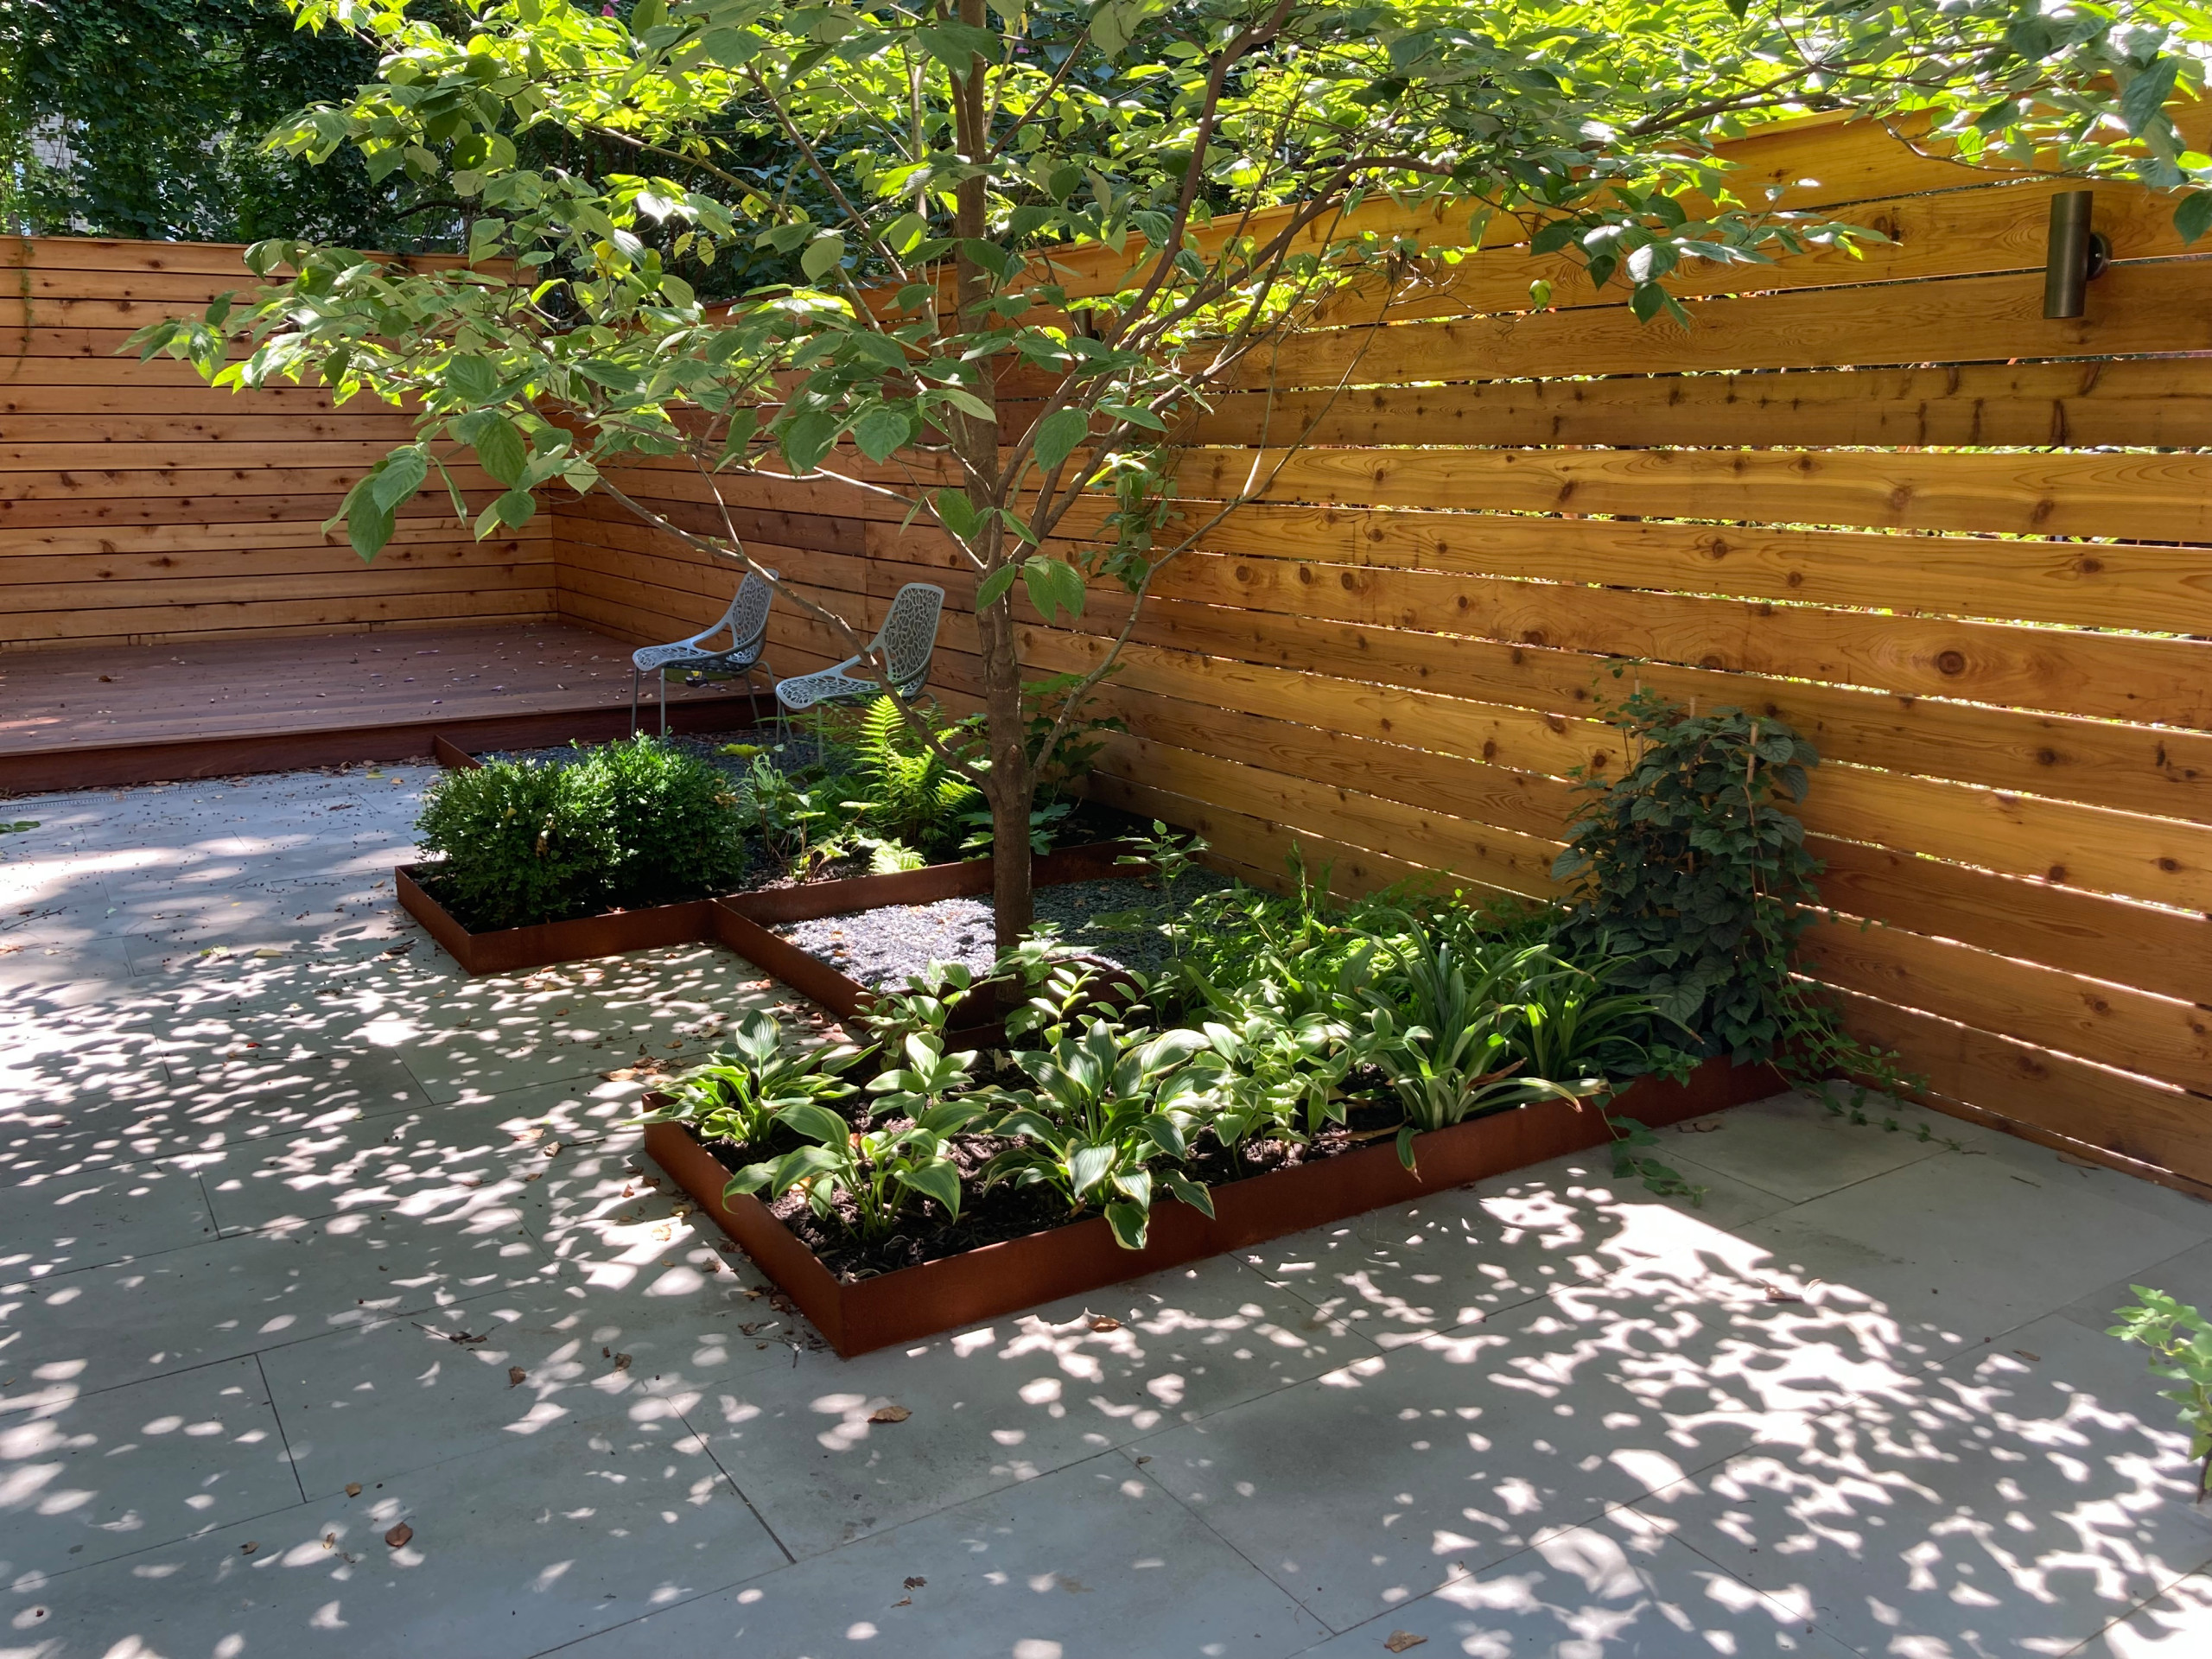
[
  {"x": 741, "y": 921},
  {"x": 859, "y": 1315}
]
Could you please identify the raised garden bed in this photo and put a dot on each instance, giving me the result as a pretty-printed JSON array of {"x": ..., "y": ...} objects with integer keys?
[
  {"x": 859, "y": 1315},
  {"x": 741, "y": 921}
]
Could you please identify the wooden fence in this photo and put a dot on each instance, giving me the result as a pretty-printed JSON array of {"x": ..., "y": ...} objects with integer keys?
[
  {"x": 1966, "y": 551},
  {"x": 137, "y": 505}
]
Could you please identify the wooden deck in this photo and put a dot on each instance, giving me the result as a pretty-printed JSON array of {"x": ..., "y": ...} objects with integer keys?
[{"x": 78, "y": 718}]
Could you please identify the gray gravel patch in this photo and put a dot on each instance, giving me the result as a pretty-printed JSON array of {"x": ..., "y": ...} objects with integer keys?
[{"x": 883, "y": 946}]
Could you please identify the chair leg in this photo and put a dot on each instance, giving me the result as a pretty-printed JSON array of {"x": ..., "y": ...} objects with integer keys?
[
  {"x": 636, "y": 675},
  {"x": 663, "y": 702}
]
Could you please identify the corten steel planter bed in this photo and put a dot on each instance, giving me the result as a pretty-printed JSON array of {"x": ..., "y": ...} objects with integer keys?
[
  {"x": 741, "y": 921},
  {"x": 1000, "y": 1279}
]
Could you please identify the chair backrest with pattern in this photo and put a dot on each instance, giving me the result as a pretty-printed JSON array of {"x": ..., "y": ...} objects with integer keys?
[
  {"x": 748, "y": 612},
  {"x": 908, "y": 637}
]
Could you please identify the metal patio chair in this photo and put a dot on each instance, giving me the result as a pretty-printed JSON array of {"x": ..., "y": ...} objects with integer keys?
[
  {"x": 747, "y": 620},
  {"x": 906, "y": 640}
]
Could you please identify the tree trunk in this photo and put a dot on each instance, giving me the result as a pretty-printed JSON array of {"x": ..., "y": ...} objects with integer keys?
[{"x": 1009, "y": 785}]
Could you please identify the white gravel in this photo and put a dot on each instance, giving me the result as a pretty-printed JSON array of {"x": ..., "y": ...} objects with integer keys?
[{"x": 882, "y": 947}]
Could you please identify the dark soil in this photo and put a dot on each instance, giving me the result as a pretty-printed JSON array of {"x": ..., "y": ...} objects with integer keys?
[{"x": 1007, "y": 1213}]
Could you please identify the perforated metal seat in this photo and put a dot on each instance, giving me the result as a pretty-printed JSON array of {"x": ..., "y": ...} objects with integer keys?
[
  {"x": 747, "y": 623},
  {"x": 906, "y": 642}
]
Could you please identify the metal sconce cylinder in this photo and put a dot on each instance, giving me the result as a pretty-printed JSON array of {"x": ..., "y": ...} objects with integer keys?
[{"x": 2076, "y": 254}]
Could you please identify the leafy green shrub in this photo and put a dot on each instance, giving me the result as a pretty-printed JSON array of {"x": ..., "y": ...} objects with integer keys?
[
  {"x": 669, "y": 818},
  {"x": 516, "y": 844},
  {"x": 1692, "y": 881},
  {"x": 630, "y": 824},
  {"x": 2180, "y": 1341}
]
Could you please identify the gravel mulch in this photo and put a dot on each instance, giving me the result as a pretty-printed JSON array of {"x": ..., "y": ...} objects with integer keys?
[{"x": 882, "y": 947}]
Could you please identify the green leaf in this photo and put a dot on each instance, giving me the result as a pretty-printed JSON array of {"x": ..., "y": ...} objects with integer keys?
[
  {"x": 807, "y": 439},
  {"x": 989, "y": 590},
  {"x": 817, "y": 1123},
  {"x": 647, "y": 13},
  {"x": 882, "y": 432},
  {"x": 2194, "y": 216},
  {"x": 1054, "y": 586},
  {"x": 473, "y": 379},
  {"x": 1088, "y": 1166},
  {"x": 1129, "y": 1222},
  {"x": 824, "y": 255},
  {"x": 399, "y": 477},
  {"x": 2146, "y": 95},
  {"x": 1058, "y": 434},
  {"x": 498, "y": 444},
  {"x": 368, "y": 526},
  {"x": 940, "y": 1181},
  {"x": 956, "y": 512},
  {"x": 515, "y": 508}
]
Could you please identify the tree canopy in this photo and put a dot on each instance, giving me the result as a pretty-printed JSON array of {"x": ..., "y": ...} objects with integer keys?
[{"x": 1016, "y": 243}]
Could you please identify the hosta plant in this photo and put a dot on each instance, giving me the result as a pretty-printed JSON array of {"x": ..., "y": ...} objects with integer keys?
[
  {"x": 1103, "y": 1112},
  {"x": 2180, "y": 1341},
  {"x": 923, "y": 1005},
  {"x": 877, "y": 1172},
  {"x": 1265, "y": 1076},
  {"x": 739, "y": 1094}
]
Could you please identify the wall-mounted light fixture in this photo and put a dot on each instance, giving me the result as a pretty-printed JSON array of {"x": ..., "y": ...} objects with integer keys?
[{"x": 2077, "y": 255}]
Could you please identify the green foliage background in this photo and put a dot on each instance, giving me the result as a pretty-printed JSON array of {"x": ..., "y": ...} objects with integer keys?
[{"x": 163, "y": 104}]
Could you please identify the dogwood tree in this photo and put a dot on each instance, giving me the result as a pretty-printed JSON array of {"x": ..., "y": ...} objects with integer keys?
[{"x": 1113, "y": 208}]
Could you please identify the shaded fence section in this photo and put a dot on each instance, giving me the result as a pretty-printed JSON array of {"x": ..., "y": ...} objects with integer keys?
[
  {"x": 138, "y": 506},
  {"x": 1966, "y": 550}
]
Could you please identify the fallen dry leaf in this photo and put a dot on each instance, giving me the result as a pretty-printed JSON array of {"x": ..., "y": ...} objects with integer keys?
[
  {"x": 248, "y": 1548},
  {"x": 2025, "y": 1355},
  {"x": 552, "y": 1148},
  {"x": 1399, "y": 1641},
  {"x": 1777, "y": 1293},
  {"x": 1144, "y": 1461},
  {"x": 621, "y": 1362},
  {"x": 914, "y": 1583},
  {"x": 352, "y": 1489},
  {"x": 904, "y": 1601},
  {"x": 1706, "y": 1126},
  {"x": 517, "y": 1377},
  {"x": 1105, "y": 1322},
  {"x": 398, "y": 1535},
  {"x": 889, "y": 1415},
  {"x": 330, "y": 1541}
]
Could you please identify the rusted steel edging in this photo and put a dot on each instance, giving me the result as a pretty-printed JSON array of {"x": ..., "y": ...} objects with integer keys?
[{"x": 995, "y": 1280}]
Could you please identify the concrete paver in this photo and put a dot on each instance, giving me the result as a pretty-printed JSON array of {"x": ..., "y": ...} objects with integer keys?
[{"x": 290, "y": 1207}]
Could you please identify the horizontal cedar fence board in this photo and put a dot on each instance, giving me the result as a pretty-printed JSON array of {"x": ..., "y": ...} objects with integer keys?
[
  {"x": 2133, "y": 1117},
  {"x": 2159, "y": 497},
  {"x": 139, "y": 505},
  {"x": 2131, "y": 310},
  {"x": 149, "y": 624},
  {"x": 1525, "y": 803},
  {"x": 94, "y": 596},
  {"x": 1259, "y": 848},
  {"x": 2166, "y": 952},
  {"x": 2168, "y": 1041},
  {"x": 2155, "y": 772},
  {"x": 1956, "y": 233},
  {"x": 2043, "y": 668},
  {"x": 291, "y": 549},
  {"x": 2143, "y": 587},
  {"x": 273, "y": 476},
  {"x": 186, "y": 455},
  {"x": 2145, "y": 402},
  {"x": 1502, "y": 858},
  {"x": 2159, "y": 861}
]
